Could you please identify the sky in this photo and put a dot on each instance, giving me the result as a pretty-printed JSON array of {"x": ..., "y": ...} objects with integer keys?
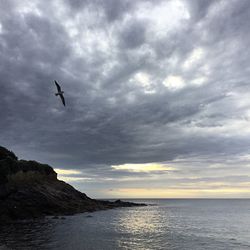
[{"x": 157, "y": 94}]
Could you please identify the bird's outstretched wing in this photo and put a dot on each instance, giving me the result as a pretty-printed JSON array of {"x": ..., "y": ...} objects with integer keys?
[
  {"x": 63, "y": 100},
  {"x": 58, "y": 86}
]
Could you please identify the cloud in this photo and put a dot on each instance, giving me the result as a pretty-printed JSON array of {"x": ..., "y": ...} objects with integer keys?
[
  {"x": 133, "y": 35},
  {"x": 144, "y": 81},
  {"x": 174, "y": 82}
]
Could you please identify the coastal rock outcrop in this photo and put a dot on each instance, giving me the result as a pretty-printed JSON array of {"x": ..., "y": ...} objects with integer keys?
[{"x": 29, "y": 189}]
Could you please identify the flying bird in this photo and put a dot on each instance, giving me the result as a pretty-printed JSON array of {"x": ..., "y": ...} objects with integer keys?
[{"x": 60, "y": 92}]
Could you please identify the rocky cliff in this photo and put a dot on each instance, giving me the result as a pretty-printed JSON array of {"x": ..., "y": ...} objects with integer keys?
[{"x": 29, "y": 189}]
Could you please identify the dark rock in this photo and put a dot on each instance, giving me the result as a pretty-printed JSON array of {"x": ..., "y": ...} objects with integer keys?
[
  {"x": 29, "y": 189},
  {"x": 5, "y": 153}
]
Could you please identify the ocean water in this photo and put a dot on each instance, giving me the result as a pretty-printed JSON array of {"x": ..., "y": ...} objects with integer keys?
[{"x": 168, "y": 224}]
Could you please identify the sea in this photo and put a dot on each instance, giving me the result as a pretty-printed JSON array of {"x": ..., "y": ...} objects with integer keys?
[{"x": 164, "y": 224}]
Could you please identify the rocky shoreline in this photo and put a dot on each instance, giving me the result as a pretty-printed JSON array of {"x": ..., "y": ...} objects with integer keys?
[{"x": 29, "y": 189}]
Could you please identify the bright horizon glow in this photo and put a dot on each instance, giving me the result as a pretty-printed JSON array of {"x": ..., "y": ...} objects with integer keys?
[
  {"x": 60, "y": 171},
  {"x": 70, "y": 175},
  {"x": 144, "y": 167},
  {"x": 179, "y": 193}
]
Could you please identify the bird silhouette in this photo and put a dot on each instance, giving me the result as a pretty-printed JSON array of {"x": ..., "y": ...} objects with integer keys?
[{"x": 60, "y": 92}]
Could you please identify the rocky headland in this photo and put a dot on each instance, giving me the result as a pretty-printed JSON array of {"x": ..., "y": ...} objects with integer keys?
[{"x": 29, "y": 189}]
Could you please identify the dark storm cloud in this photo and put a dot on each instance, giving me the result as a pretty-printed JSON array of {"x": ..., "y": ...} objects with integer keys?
[
  {"x": 144, "y": 81},
  {"x": 198, "y": 9},
  {"x": 115, "y": 9},
  {"x": 133, "y": 35},
  {"x": 77, "y": 5}
]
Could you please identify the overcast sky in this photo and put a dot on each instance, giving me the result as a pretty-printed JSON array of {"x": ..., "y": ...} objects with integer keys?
[{"x": 157, "y": 94}]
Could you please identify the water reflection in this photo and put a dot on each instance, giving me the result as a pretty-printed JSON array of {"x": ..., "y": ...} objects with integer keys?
[
  {"x": 144, "y": 221},
  {"x": 128, "y": 228},
  {"x": 175, "y": 224},
  {"x": 144, "y": 228},
  {"x": 27, "y": 234}
]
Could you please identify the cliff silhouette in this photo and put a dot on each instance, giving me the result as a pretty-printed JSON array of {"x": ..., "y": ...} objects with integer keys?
[{"x": 29, "y": 189}]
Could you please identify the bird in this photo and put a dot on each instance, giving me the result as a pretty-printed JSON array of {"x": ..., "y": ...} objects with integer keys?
[{"x": 60, "y": 92}]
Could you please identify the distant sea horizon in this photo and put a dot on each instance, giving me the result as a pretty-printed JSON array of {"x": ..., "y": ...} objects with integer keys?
[{"x": 222, "y": 198}]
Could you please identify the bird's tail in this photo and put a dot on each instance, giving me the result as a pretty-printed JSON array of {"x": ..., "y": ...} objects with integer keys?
[{"x": 56, "y": 94}]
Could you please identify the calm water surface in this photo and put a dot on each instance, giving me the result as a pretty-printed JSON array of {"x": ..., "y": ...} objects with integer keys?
[{"x": 169, "y": 224}]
